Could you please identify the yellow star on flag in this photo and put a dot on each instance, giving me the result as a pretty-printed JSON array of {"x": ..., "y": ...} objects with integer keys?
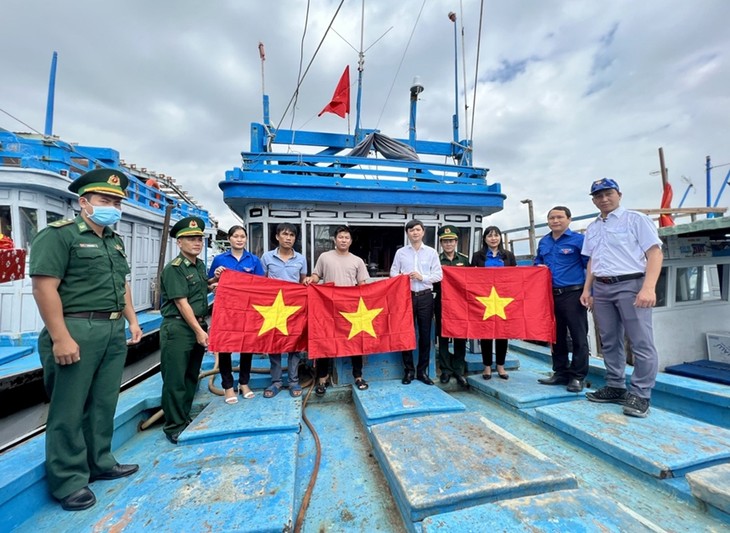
[
  {"x": 362, "y": 319},
  {"x": 276, "y": 315},
  {"x": 494, "y": 304}
]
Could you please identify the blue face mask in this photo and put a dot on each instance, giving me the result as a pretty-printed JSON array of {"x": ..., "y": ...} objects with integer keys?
[{"x": 105, "y": 215}]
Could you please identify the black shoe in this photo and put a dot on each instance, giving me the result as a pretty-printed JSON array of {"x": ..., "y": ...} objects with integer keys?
[
  {"x": 555, "y": 379},
  {"x": 444, "y": 377},
  {"x": 116, "y": 472},
  {"x": 79, "y": 500},
  {"x": 575, "y": 385},
  {"x": 608, "y": 395},
  {"x": 636, "y": 406},
  {"x": 172, "y": 437},
  {"x": 407, "y": 378},
  {"x": 461, "y": 380},
  {"x": 423, "y": 378}
]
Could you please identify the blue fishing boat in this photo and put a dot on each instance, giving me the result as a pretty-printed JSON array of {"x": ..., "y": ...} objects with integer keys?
[
  {"x": 504, "y": 455},
  {"x": 35, "y": 171}
]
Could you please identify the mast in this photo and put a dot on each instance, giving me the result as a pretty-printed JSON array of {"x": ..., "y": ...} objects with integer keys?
[
  {"x": 360, "y": 68},
  {"x": 455, "y": 121},
  {"x": 51, "y": 96}
]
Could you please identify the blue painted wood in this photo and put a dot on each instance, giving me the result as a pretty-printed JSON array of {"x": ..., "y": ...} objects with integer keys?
[
  {"x": 555, "y": 512},
  {"x": 474, "y": 362},
  {"x": 712, "y": 486},
  {"x": 385, "y": 401},
  {"x": 259, "y": 415},
  {"x": 484, "y": 463},
  {"x": 663, "y": 445},
  {"x": 246, "y": 485},
  {"x": 521, "y": 390},
  {"x": 11, "y": 353}
]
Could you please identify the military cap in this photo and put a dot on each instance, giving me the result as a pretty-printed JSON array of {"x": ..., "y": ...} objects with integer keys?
[
  {"x": 102, "y": 181},
  {"x": 448, "y": 232},
  {"x": 188, "y": 227},
  {"x": 603, "y": 184}
]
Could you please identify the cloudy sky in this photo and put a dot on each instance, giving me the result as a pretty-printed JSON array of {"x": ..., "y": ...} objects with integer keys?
[{"x": 567, "y": 91}]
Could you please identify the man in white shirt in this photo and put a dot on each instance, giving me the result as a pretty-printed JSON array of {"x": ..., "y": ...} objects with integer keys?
[{"x": 422, "y": 265}]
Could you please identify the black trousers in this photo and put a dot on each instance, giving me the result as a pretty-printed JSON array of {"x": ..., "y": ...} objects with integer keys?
[
  {"x": 500, "y": 348},
  {"x": 451, "y": 364},
  {"x": 570, "y": 316},
  {"x": 423, "y": 317},
  {"x": 226, "y": 369},
  {"x": 323, "y": 366}
]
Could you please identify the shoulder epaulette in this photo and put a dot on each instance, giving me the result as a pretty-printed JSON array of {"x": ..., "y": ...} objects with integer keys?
[
  {"x": 60, "y": 223},
  {"x": 176, "y": 262}
]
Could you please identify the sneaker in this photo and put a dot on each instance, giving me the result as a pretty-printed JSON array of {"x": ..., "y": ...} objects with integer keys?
[
  {"x": 636, "y": 406},
  {"x": 607, "y": 395}
]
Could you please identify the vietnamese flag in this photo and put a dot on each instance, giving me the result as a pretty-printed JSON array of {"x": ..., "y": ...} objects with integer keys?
[
  {"x": 254, "y": 314},
  {"x": 497, "y": 303},
  {"x": 340, "y": 104},
  {"x": 372, "y": 318}
]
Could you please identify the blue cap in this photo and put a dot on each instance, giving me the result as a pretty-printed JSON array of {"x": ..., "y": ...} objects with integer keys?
[{"x": 603, "y": 184}]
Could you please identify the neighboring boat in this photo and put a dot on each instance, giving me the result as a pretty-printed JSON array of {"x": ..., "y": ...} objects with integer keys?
[
  {"x": 35, "y": 171},
  {"x": 506, "y": 455}
]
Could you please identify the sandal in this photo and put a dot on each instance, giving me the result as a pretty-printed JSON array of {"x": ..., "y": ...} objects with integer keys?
[
  {"x": 247, "y": 394},
  {"x": 230, "y": 396},
  {"x": 271, "y": 391},
  {"x": 295, "y": 390},
  {"x": 320, "y": 389},
  {"x": 361, "y": 384}
]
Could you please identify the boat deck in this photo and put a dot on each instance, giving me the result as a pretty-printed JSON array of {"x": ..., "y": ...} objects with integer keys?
[{"x": 508, "y": 455}]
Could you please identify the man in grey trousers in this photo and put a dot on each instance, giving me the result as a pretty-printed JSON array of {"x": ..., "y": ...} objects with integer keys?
[{"x": 624, "y": 266}]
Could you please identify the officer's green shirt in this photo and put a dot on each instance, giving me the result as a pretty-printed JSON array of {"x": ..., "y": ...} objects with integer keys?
[
  {"x": 92, "y": 269},
  {"x": 458, "y": 260},
  {"x": 183, "y": 279}
]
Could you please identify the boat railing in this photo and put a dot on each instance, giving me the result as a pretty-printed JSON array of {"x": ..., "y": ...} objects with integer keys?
[
  {"x": 337, "y": 167},
  {"x": 152, "y": 198}
]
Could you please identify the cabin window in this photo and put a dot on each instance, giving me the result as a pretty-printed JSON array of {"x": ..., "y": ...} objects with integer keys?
[
  {"x": 6, "y": 227},
  {"x": 28, "y": 226},
  {"x": 256, "y": 238},
  {"x": 53, "y": 217},
  {"x": 477, "y": 240},
  {"x": 661, "y": 289},
  {"x": 698, "y": 283}
]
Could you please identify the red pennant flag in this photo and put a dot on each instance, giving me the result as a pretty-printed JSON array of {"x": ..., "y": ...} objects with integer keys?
[
  {"x": 497, "y": 303},
  {"x": 253, "y": 314},
  {"x": 667, "y": 195},
  {"x": 372, "y": 318},
  {"x": 340, "y": 104}
]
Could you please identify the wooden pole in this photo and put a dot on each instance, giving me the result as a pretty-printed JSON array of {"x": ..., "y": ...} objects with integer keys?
[{"x": 163, "y": 252}]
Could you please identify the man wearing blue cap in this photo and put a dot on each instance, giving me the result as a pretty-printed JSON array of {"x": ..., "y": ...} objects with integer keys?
[
  {"x": 624, "y": 266},
  {"x": 79, "y": 271}
]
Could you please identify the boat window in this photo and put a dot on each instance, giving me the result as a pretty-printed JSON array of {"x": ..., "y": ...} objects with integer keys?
[
  {"x": 430, "y": 237},
  {"x": 477, "y": 241},
  {"x": 256, "y": 238},
  {"x": 28, "y": 226},
  {"x": 375, "y": 245},
  {"x": 53, "y": 217},
  {"x": 6, "y": 227},
  {"x": 711, "y": 289},
  {"x": 661, "y": 289}
]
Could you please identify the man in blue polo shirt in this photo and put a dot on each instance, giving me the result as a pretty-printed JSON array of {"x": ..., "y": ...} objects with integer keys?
[
  {"x": 285, "y": 263},
  {"x": 560, "y": 251}
]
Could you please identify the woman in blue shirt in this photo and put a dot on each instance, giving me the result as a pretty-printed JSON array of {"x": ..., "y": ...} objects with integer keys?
[
  {"x": 493, "y": 254},
  {"x": 240, "y": 259}
]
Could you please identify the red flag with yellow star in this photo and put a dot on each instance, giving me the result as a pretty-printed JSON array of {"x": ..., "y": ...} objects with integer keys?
[
  {"x": 254, "y": 314},
  {"x": 497, "y": 303},
  {"x": 372, "y": 318}
]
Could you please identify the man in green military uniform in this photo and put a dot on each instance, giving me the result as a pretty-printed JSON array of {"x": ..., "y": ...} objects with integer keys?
[
  {"x": 79, "y": 272},
  {"x": 183, "y": 334},
  {"x": 450, "y": 364}
]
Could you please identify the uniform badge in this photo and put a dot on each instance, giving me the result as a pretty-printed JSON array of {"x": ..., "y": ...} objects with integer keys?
[
  {"x": 113, "y": 180},
  {"x": 193, "y": 224}
]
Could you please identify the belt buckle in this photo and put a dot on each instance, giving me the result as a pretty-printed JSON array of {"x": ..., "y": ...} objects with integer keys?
[{"x": 116, "y": 315}]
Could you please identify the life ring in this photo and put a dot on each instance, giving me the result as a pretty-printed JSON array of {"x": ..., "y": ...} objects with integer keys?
[{"x": 152, "y": 183}]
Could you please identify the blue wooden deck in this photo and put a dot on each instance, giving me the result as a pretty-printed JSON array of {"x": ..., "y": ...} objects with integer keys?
[{"x": 512, "y": 453}]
